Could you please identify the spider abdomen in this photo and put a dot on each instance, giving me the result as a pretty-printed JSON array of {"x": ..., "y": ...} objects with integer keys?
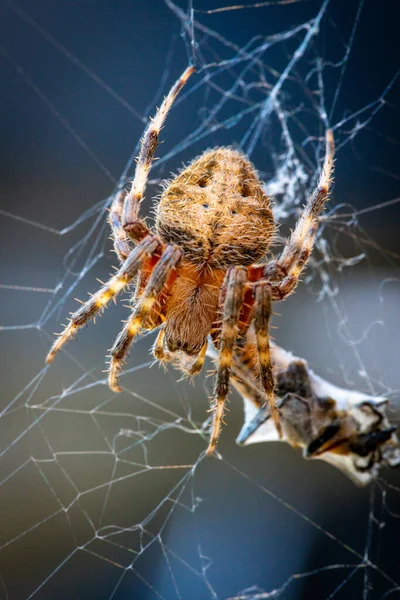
[{"x": 217, "y": 211}]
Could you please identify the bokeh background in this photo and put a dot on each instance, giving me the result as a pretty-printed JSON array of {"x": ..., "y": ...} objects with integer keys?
[{"x": 78, "y": 80}]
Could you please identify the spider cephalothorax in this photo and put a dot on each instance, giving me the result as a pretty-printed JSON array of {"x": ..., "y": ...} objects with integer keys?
[{"x": 204, "y": 269}]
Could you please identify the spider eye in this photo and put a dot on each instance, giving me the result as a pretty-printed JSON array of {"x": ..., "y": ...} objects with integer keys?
[
  {"x": 205, "y": 205},
  {"x": 233, "y": 212}
]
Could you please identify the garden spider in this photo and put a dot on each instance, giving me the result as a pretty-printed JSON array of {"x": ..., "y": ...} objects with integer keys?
[{"x": 204, "y": 268}]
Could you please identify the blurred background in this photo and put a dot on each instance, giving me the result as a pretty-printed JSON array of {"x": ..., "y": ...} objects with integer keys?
[{"x": 99, "y": 494}]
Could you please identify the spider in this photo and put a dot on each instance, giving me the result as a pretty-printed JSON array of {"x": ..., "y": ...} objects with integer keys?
[{"x": 204, "y": 269}]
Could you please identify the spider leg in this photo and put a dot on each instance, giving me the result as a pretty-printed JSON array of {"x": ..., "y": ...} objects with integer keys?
[
  {"x": 288, "y": 267},
  {"x": 158, "y": 348},
  {"x": 235, "y": 289},
  {"x": 158, "y": 279},
  {"x": 148, "y": 247},
  {"x": 122, "y": 246},
  {"x": 131, "y": 223},
  {"x": 198, "y": 363},
  {"x": 262, "y": 315}
]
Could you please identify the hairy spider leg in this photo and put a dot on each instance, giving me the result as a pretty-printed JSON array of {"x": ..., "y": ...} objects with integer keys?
[
  {"x": 235, "y": 289},
  {"x": 158, "y": 348},
  {"x": 198, "y": 363},
  {"x": 146, "y": 249},
  {"x": 312, "y": 210},
  {"x": 131, "y": 223},
  {"x": 262, "y": 315},
  {"x": 287, "y": 269},
  {"x": 158, "y": 280},
  {"x": 120, "y": 238}
]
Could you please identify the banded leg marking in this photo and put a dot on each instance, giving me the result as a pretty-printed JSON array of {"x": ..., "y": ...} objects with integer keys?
[
  {"x": 286, "y": 270},
  {"x": 102, "y": 297},
  {"x": 158, "y": 279},
  {"x": 235, "y": 288},
  {"x": 262, "y": 315},
  {"x": 130, "y": 214}
]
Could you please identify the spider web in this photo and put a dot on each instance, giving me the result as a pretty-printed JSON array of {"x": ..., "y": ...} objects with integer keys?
[{"x": 109, "y": 496}]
